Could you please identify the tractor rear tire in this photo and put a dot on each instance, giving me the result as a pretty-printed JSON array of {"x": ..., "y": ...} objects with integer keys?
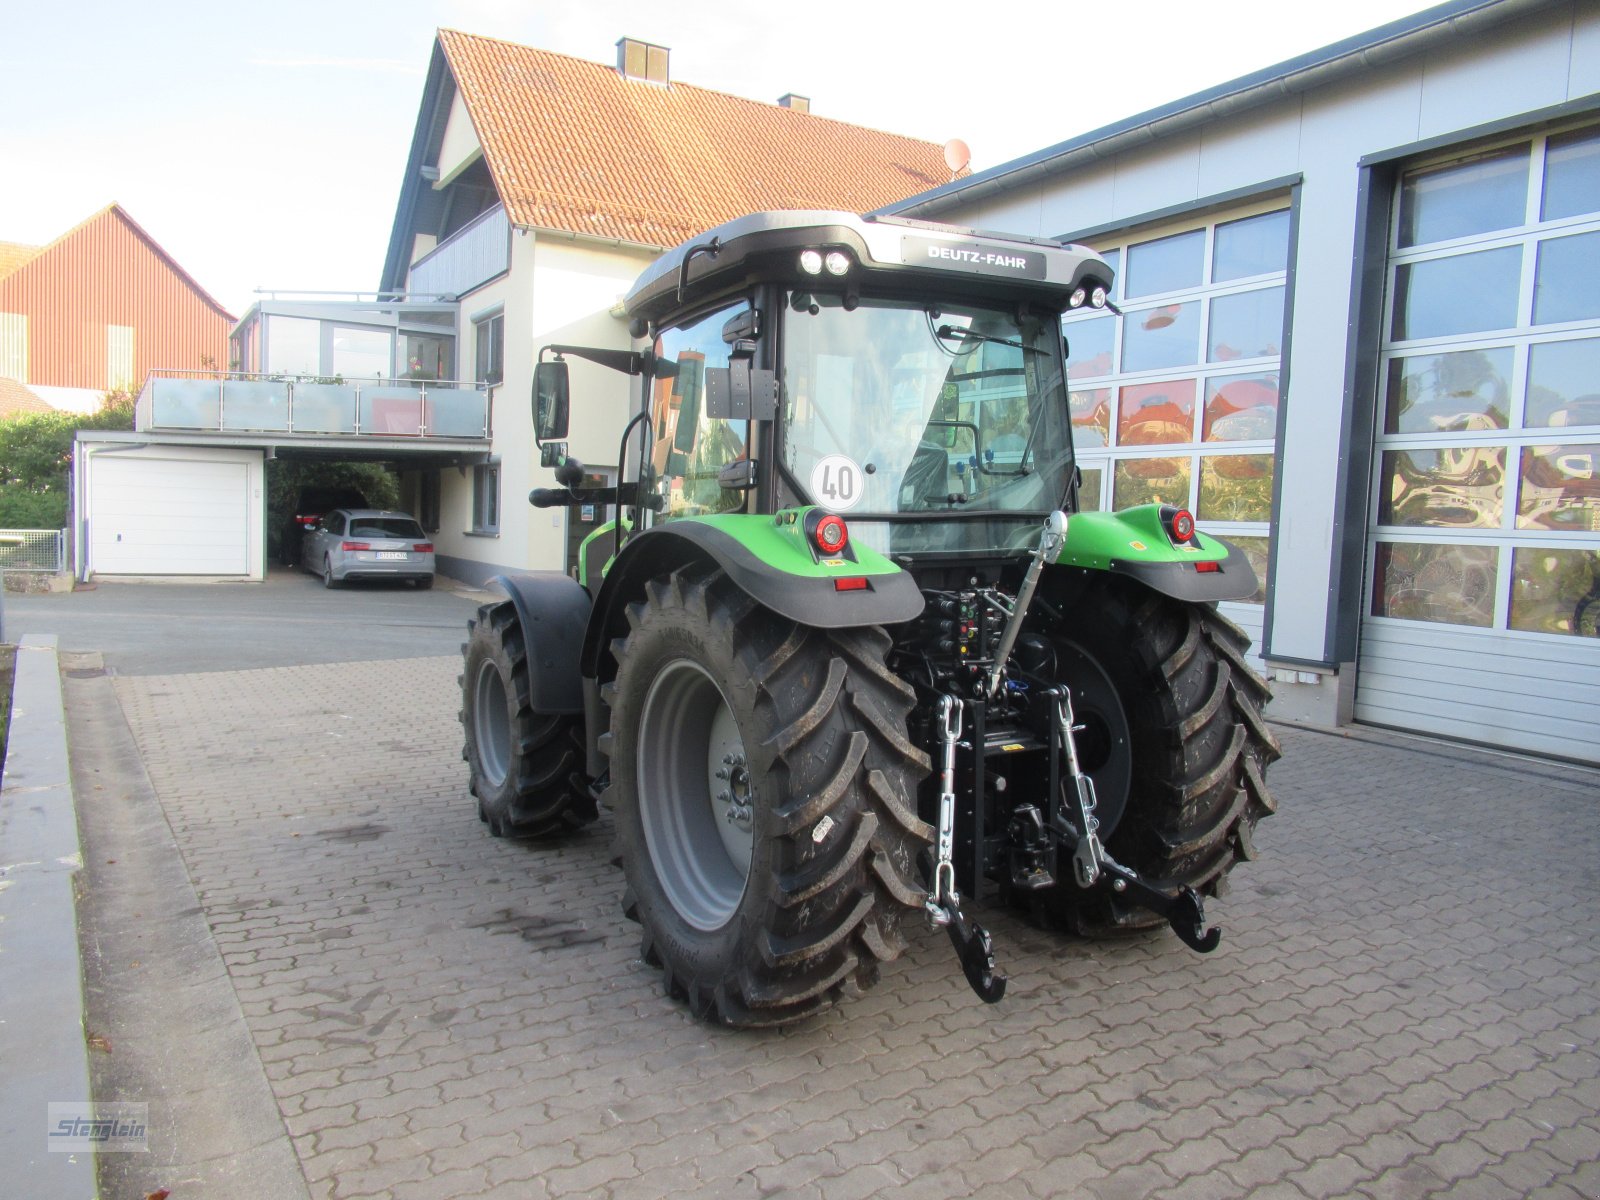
[
  {"x": 1174, "y": 739},
  {"x": 765, "y": 796},
  {"x": 526, "y": 767}
]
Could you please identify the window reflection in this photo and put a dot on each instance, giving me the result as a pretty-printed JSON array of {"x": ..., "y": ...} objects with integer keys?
[
  {"x": 1156, "y": 414},
  {"x": 1089, "y": 493},
  {"x": 1091, "y": 418},
  {"x": 294, "y": 346},
  {"x": 1246, "y": 325},
  {"x": 1564, "y": 286},
  {"x": 1150, "y": 481},
  {"x": 1235, "y": 487},
  {"x": 1458, "y": 487},
  {"x": 1156, "y": 338},
  {"x": 1430, "y": 581},
  {"x": 1556, "y": 591},
  {"x": 1253, "y": 246},
  {"x": 1167, "y": 264},
  {"x": 1089, "y": 345},
  {"x": 361, "y": 353},
  {"x": 1462, "y": 199},
  {"x": 1464, "y": 293},
  {"x": 1560, "y": 488},
  {"x": 1564, "y": 383},
  {"x": 1572, "y": 175},
  {"x": 1242, "y": 408},
  {"x": 1439, "y": 393}
]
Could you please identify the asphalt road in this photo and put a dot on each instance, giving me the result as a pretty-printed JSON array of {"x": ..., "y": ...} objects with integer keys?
[{"x": 290, "y": 620}]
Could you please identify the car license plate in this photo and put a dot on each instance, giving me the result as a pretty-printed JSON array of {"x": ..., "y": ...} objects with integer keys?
[{"x": 391, "y": 554}]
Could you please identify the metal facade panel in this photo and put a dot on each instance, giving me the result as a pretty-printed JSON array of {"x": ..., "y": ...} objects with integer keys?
[
  {"x": 107, "y": 272},
  {"x": 1462, "y": 86},
  {"x": 1506, "y": 690}
]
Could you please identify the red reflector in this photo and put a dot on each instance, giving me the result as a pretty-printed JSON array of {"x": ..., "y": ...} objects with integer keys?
[
  {"x": 423, "y": 548},
  {"x": 854, "y": 583},
  {"x": 1208, "y": 568},
  {"x": 354, "y": 546}
]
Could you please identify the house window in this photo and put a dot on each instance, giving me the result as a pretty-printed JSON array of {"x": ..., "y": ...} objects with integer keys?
[
  {"x": 490, "y": 337},
  {"x": 119, "y": 358},
  {"x": 1176, "y": 400},
  {"x": 14, "y": 346},
  {"x": 486, "y": 498}
]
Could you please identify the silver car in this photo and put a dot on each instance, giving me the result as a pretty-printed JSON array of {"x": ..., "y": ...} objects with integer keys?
[{"x": 365, "y": 543}]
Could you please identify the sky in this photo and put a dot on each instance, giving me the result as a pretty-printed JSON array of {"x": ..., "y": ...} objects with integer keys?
[{"x": 262, "y": 144}]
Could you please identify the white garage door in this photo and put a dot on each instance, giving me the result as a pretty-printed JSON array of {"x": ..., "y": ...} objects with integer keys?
[
  {"x": 151, "y": 516},
  {"x": 1483, "y": 567}
]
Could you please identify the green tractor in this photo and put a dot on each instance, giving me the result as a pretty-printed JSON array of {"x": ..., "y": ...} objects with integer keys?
[{"x": 848, "y": 652}]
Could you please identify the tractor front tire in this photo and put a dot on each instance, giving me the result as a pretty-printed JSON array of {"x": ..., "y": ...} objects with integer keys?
[
  {"x": 765, "y": 796},
  {"x": 1173, "y": 736},
  {"x": 526, "y": 767}
]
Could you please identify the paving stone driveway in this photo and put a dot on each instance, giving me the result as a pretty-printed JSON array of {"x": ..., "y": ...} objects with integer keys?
[{"x": 1406, "y": 1002}]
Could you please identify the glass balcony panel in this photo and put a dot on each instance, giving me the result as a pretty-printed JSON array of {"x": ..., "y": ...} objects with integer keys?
[
  {"x": 255, "y": 404},
  {"x": 1489, "y": 193},
  {"x": 391, "y": 411},
  {"x": 1449, "y": 393},
  {"x": 324, "y": 408},
  {"x": 184, "y": 403},
  {"x": 1457, "y": 487},
  {"x": 1156, "y": 414},
  {"x": 1560, "y": 488},
  {"x": 1564, "y": 383},
  {"x": 1465, "y": 293},
  {"x": 1150, "y": 481},
  {"x": 1451, "y": 583},
  {"x": 1242, "y": 408},
  {"x": 1235, "y": 487},
  {"x": 457, "y": 412},
  {"x": 1556, "y": 591}
]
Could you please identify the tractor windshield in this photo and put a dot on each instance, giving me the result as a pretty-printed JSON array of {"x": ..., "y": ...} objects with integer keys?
[{"x": 934, "y": 427}]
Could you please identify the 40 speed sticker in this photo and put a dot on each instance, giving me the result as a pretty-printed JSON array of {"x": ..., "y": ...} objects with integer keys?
[{"x": 836, "y": 483}]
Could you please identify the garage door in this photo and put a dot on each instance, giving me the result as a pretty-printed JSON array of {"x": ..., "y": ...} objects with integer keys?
[
  {"x": 151, "y": 516},
  {"x": 1483, "y": 561}
]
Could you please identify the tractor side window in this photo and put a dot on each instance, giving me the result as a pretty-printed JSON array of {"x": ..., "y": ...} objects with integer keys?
[{"x": 690, "y": 448}]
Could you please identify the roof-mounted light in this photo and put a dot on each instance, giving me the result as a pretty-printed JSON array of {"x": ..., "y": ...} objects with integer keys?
[
  {"x": 1098, "y": 297},
  {"x": 837, "y": 262},
  {"x": 811, "y": 262},
  {"x": 1078, "y": 298}
]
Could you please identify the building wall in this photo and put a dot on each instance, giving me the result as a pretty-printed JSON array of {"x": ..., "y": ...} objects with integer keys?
[
  {"x": 1317, "y": 140},
  {"x": 102, "y": 275}
]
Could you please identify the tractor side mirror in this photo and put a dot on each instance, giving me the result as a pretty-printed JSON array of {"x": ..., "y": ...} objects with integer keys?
[{"x": 550, "y": 401}]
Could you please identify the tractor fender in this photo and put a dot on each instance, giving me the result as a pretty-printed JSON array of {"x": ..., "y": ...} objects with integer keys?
[
  {"x": 553, "y": 612},
  {"x": 811, "y": 600}
]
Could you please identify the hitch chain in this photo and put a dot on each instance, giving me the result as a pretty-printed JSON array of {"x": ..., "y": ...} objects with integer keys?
[
  {"x": 1183, "y": 910},
  {"x": 974, "y": 948}
]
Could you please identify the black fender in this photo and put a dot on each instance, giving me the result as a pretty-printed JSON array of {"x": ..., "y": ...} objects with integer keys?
[
  {"x": 554, "y": 613},
  {"x": 805, "y": 600},
  {"x": 1231, "y": 579}
]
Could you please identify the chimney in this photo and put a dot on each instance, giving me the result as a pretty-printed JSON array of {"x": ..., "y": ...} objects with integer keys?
[
  {"x": 798, "y": 103},
  {"x": 641, "y": 60}
]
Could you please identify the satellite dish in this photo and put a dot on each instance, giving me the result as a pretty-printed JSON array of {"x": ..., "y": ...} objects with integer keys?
[{"x": 957, "y": 154}]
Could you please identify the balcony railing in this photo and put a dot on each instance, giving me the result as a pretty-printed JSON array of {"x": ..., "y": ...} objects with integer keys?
[
  {"x": 471, "y": 256},
  {"x": 188, "y": 401}
]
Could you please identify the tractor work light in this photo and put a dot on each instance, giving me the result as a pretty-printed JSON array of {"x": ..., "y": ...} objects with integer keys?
[
  {"x": 1098, "y": 297},
  {"x": 1078, "y": 297},
  {"x": 837, "y": 262},
  {"x": 811, "y": 262}
]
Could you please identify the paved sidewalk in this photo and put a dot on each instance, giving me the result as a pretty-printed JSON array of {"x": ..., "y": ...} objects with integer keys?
[{"x": 1406, "y": 1002}]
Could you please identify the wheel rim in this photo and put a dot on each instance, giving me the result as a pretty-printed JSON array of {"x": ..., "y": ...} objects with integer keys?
[
  {"x": 696, "y": 800},
  {"x": 1105, "y": 750},
  {"x": 491, "y": 724}
]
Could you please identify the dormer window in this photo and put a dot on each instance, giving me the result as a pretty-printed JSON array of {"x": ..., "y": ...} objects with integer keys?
[{"x": 641, "y": 60}]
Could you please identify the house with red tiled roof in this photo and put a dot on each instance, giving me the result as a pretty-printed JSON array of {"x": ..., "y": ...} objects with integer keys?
[
  {"x": 18, "y": 401},
  {"x": 97, "y": 309},
  {"x": 538, "y": 187}
]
